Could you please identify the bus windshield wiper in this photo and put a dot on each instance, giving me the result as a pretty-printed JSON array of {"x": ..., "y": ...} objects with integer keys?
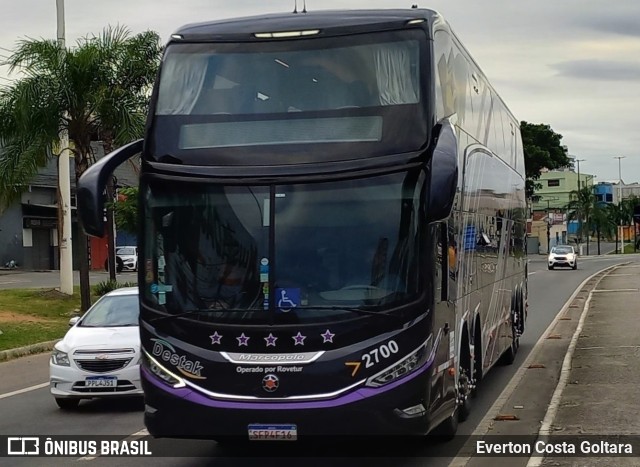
[
  {"x": 197, "y": 312},
  {"x": 357, "y": 310}
]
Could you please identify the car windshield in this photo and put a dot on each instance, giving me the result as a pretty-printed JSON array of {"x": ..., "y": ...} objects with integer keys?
[
  {"x": 113, "y": 310},
  {"x": 126, "y": 251},
  {"x": 562, "y": 250}
]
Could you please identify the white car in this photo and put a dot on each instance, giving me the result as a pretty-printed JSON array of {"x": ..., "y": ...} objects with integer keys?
[
  {"x": 100, "y": 355},
  {"x": 129, "y": 257},
  {"x": 563, "y": 255},
  {"x": 126, "y": 259}
]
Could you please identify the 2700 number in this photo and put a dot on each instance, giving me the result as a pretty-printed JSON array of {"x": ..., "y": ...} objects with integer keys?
[{"x": 383, "y": 352}]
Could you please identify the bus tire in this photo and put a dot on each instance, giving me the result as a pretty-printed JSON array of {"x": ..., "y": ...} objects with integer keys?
[
  {"x": 477, "y": 358},
  {"x": 509, "y": 356},
  {"x": 465, "y": 383},
  {"x": 447, "y": 430}
]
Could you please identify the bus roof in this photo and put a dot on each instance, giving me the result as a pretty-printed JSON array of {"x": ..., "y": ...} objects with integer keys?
[{"x": 329, "y": 22}]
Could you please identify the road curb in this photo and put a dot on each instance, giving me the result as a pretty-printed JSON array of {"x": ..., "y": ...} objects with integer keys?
[{"x": 18, "y": 352}]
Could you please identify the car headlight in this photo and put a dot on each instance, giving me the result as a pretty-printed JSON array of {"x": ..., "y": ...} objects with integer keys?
[
  {"x": 161, "y": 372},
  {"x": 411, "y": 362},
  {"x": 59, "y": 357}
]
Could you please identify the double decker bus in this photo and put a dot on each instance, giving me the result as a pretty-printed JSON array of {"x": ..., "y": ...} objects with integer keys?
[{"x": 332, "y": 228}]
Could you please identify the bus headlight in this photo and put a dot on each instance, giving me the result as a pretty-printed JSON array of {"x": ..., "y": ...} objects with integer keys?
[
  {"x": 161, "y": 372},
  {"x": 408, "y": 364}
]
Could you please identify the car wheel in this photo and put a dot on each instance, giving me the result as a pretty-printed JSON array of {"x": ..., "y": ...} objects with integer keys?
[
  {"x": 575, "y": 266},
  {"x": 67, "y": 404},
  {"x": 550, "y": 268}
]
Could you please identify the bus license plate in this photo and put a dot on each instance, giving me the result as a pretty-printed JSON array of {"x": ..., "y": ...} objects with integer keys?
[
  {"x": 101, "y": 382},
  {"x": 273, "y": 432}
]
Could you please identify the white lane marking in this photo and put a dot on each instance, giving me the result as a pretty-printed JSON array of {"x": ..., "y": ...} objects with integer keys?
[
  {"x": 611, "y": 347},
  {"x": 13, "y": 282},
  {"x": 22, "y": 391},
  {"x": 532, "y": 273},
  {"x": 614, "y": 290},
  {"x": 138, "y": 434}
]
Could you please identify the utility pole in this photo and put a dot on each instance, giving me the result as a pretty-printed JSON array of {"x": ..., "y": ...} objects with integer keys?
[
  {"x": 579, "y": 233},
  {"x": 578, "y": 163},
  {"x": 620, "y": 200},
  {"x": 64, "y": 185}
]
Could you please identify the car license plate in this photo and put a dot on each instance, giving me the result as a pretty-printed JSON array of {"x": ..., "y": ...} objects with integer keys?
[
  {"x": 101, "y": 382},
  {"x": 273, "y": 432}
]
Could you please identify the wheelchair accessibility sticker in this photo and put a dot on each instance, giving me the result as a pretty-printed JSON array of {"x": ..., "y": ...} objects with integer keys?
[{"x": 287, "y": 299}]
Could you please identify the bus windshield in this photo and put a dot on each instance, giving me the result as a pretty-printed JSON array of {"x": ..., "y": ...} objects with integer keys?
[
  {"x": 323, "y": 251},
  {"x": 216, "y": 96}
]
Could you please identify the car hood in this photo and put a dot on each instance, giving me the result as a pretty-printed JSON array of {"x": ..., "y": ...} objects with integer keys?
[
  {"x": 122, "y": 337},
  {"x": 127, "y": 256},
  {"x": 555, "y": 255}
]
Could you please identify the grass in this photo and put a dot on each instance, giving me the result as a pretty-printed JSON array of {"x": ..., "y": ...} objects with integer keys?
[{"x": 30, "y": 316}]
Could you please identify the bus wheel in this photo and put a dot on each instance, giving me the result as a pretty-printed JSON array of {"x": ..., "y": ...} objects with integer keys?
[
  {"x": 447, "y": 430},
  {"x": 477, "y": 360},
  {"x": 509, "y": 356},
  {"x": 465, "y": 384}
]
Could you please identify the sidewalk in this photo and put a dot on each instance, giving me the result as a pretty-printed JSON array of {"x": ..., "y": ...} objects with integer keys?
[{"x": 581, "y": 380}]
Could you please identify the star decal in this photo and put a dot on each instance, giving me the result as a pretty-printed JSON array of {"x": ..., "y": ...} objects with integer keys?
[
  {"x": 299, "y": 339},
  {"x": 327, "y": 336},
  {"x": 271, "y": 340},
  {"x": 243, "y": 340},
  {"x": 215, "y": 338}
]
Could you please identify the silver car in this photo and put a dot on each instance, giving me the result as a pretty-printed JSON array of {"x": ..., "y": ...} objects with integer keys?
[{"x": 563, "y": 255}]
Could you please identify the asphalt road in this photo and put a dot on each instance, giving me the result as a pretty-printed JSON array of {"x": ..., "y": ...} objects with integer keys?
[{"x": 26, "y": 407}]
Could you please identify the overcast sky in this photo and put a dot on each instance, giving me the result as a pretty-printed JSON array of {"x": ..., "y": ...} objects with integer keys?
[{"x": 572, "y": 64}]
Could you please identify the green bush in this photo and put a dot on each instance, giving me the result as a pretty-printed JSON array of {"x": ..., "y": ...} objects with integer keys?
[{"x": 105, "y": 287}]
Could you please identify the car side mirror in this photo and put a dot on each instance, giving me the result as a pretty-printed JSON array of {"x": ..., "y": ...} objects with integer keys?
[
  {"x": 444, "y": 172},
  {"x": 73, "y": 321}
]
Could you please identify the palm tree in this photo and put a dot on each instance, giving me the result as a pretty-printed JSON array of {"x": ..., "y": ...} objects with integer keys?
[
  {"x": 581, "y": 206},
  {"x": 97, "y": 90},
  {"x": 601, "y": 221},
  {"x": 616, "y": 216},
  {"x": 627, "y": 209}
]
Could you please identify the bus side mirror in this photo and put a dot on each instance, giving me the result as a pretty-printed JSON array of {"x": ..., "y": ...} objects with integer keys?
[
  {"x": 92, "y": 183},
  {"x": 444, "y": 173}
]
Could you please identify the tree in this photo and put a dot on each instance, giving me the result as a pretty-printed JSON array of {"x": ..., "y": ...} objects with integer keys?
[
  {"x": 97, "y": 90},
  {"x": 601, "y": 222},
  {"x": 126, "y": 210},
  {"x": 542, "y": 149},
  {"x": 581, "y": 206},
  {"x": 616, "y": 216}
]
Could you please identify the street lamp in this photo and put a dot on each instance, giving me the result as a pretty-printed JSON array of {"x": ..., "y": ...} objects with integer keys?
[{"x": 620, "y": 200}]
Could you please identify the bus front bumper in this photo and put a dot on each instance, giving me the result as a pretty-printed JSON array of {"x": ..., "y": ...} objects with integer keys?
[{"x": 185, "y": 413}]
